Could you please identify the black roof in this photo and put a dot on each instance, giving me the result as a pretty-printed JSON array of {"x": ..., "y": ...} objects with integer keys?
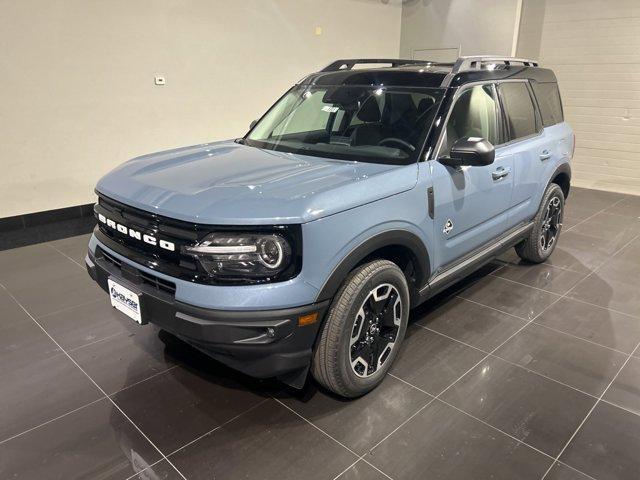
[{"x": 417, "y": 73}]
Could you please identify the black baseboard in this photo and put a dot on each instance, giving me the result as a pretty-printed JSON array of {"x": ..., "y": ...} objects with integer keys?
[{"x": 39, "y": 227}]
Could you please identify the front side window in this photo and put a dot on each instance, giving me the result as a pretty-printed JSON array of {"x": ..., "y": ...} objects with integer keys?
[
  {"x": 474, "y": 114},
  {"x": 519, "y": 110},
  {"x": 350, "y": 122}
]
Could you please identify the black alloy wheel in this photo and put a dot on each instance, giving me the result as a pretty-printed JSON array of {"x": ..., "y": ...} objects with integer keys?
[{"x": 375, "y": 330}]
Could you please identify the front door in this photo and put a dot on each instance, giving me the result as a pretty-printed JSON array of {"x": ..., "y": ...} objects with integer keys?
[{"x": 471, "y": 203}]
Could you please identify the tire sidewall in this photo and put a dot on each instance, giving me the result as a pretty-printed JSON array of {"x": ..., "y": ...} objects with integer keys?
[
  {"x": 552, "y": 191},
  {"x": 394, "y": 276}
]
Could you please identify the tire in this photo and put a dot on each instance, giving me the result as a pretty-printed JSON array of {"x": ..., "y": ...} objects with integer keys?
[
  {"x": 548, "y": 221},
  {"x": 362, "y": 323}
]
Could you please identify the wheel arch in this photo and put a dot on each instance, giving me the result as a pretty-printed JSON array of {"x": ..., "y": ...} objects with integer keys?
[
  {"x": 402, "y": 247},
  {"x": 562, "y": 177}
]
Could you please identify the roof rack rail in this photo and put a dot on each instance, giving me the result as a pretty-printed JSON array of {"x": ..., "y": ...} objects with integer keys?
[
  {"x": 464, "y": 64},
  {"x": 348, "y": 64}
]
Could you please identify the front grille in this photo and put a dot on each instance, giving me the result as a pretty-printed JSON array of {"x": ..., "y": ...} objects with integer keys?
[
  {"x": 137, "y": 276},
  {"x": 179, "y": 234}
]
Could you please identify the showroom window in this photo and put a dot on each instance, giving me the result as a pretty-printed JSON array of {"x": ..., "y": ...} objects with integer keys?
[
  {"x": 475, "y": 114},
  {"x": 519, "y": 110}
]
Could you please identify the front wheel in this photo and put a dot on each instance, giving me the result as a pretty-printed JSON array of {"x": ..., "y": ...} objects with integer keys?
[
  {"x": 365, "y": 326},
  {"x": 546, "y": 228}
]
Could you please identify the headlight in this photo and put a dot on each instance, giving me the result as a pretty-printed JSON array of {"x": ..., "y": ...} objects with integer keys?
[{"x": 243, "y": 255}]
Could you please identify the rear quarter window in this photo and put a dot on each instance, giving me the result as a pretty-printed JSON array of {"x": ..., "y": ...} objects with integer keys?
[
  {"x": 520, "y": 112},
  {"x": 548, "y": 97}
]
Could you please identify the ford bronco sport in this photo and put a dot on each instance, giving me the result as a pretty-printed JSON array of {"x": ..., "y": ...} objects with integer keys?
[{"x": 360, "y": 194}]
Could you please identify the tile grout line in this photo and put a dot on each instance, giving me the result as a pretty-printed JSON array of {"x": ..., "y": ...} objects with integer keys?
[
  {"x": 113, "y": 394},
  {"x": 477, "y": 419},
  {"x": 347, "y": 469},
  {"x": 66, "y": 309},
  {"x": 597, "y": 213},
  {"x": 200, "y": 437},
  {"x": 332, "y": 438},
  {"x": 361, "y": 458},
  {"x": 109, "y": 337},
  {"x": 93, "y": 381},
  {"x": 518, "y": 317},
  {"x": 584, "y": 420},
  {"x": 572, "y": 298},
  {"x": 614, "y": 377},
  {"x": 503, "y": 343},
  {"x": 506, "y": 263},
  {"x": 598, "y": 267},
  {"x": 456, "y": 380},
  {"x": 554, "y": 460},
  {"x": 52, "y": 420},
  {"x": 525, "y": 369},
  {"x": 574, "y": 469},
  {"x": 86, "y": 404},
  {"x": 579, "y": 338},
  {"x": 563, "y": 295},
  {"x": 524, "y": 284},
  {"x": 492, "y": 352},
  {"x": 533, "y": 322},
  {"x": 635, "y": 317},
  {"x": 67, "y": 256},
  {"x": 145, "y": 469}
]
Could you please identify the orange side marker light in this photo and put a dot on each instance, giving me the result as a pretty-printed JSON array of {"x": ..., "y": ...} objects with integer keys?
[{"x": 307, "y": 319}]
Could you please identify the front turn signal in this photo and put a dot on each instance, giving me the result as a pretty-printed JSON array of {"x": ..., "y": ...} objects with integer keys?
[{"x": 307, "y": 319}]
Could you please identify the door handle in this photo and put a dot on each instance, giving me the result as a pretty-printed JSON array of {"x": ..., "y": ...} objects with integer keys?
[
  {"x": 545, "y": 155},
  {"x": 500, "y": 173}
]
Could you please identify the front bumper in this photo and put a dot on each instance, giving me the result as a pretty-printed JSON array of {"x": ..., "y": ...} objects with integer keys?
[{"x": 262, "y": 344}]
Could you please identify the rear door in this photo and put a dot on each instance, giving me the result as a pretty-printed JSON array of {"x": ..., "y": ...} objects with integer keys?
[
  {"x": 532, "y": 148},
  {"x": 471, "y": 203}
]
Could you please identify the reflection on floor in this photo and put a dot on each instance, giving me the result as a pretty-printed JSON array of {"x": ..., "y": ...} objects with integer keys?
[{"x": 519, "y": 372}]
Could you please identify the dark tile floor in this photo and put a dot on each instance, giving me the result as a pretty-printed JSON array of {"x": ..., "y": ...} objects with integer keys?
[{"x": 519, "y": 372}]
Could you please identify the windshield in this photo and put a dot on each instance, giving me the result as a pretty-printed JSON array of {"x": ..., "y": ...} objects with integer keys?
[{"x": 363, "y": 123}]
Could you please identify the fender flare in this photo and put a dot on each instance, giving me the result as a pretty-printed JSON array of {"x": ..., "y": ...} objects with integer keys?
[
  {"x": 565, "y": 168},
  {"x": 389, "y": 238}
]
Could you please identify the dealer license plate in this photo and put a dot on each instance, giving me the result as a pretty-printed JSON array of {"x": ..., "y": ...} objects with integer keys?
[{"x": 125, "y": 300}]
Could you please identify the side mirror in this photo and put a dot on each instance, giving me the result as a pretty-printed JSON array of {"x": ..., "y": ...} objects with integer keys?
[
  {"x": 471, "y": 151},
  {"x": 252, "y": 124}
]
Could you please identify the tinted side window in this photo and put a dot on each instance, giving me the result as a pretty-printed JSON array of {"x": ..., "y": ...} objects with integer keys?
[
  {"x": 473, "y": 115},
  {"x": 519, "y": 110},
  {"x": 549, "y": 102}
]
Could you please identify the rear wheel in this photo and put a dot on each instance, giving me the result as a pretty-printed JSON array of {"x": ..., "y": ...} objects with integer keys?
[
  {"x": 547, "y": 226},
  {"x": 365, "y": 326}
]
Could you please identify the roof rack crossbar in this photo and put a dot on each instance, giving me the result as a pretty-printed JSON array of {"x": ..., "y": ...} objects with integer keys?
[
  {"x": 464, "y": 64},
  {"x": 348, "y": 64}
]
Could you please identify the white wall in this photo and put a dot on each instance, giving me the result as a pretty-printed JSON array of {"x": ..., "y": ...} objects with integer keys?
[
  {"x": 77, "y": 95},
  {"x": 477, "y": 26},
  {"x": 530, "y": 32},
  {"x": 594, "y": 48}
]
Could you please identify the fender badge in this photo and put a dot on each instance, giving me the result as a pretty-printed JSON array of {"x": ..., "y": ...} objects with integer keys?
[{"x": 448, "y": 226}]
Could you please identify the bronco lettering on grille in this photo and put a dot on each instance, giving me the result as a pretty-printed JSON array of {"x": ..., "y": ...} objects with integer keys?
[{"x": 136, "y": 235}]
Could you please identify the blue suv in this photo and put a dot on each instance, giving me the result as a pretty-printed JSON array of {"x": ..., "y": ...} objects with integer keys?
[{"x": 359, "y": 195}]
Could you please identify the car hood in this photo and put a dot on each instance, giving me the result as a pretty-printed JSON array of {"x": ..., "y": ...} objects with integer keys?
[{"x": 226, "y": 183}]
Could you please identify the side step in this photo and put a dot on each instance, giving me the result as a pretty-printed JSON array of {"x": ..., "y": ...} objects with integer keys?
[{"x": 473, "y": 262}]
